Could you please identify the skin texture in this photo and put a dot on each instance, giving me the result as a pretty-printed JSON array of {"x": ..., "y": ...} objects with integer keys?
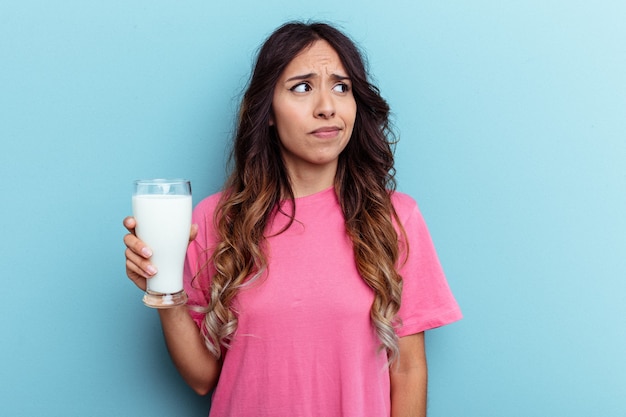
[
  {"x": 409, "y": 378},
  {"x": 314, "y": 112}
]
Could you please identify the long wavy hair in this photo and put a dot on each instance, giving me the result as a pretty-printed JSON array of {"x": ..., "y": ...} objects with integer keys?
[{"x": 259, "y": 183}]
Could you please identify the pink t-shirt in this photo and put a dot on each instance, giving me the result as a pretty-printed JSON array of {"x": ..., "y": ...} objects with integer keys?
[{"x": 305, "y": 345}]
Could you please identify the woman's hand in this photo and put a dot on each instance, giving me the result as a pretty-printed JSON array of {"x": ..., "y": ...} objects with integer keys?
[
  {"x": 184, "y": 341},
  {"x": 138, "y": 266}
]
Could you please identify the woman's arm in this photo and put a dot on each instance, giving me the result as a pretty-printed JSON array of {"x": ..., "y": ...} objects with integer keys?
[
  {"x": 185, "y": 343},
  {"x": 194, "y": 362},
  {"x": 409, "y": 378}
]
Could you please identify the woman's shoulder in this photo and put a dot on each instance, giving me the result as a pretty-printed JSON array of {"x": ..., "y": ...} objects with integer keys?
[
  {"x": 209, "y": 203},
  {"x": 403, "y": 203},
  {"x": 205, "y": 209}
]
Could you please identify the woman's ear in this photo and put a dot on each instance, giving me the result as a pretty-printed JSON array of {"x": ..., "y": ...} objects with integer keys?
[{"x": 271, "y": 120}]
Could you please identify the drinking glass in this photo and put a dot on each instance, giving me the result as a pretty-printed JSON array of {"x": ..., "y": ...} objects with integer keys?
[{"x": 162, "y": 211}]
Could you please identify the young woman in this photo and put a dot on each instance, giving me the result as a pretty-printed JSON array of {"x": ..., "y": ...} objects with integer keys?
[{"x": 311, "y": 280}]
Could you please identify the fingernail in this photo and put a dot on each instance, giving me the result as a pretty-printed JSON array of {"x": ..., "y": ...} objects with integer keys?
[
  {"x": 146, "y": 252},
  {"x": 151, "y": 270}
]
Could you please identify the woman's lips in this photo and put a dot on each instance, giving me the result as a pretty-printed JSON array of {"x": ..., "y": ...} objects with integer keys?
[{"x": 326, "y": 132}]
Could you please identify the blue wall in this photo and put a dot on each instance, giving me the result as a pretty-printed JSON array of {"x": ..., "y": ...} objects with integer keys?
[{"x": 512, "y": 118}]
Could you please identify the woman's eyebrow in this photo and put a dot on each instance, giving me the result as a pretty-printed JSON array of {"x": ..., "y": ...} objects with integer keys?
[
  {"x": 313, "y": 75},
  {"x": 339, "y": 77},
  {"x": 301, "y": 77}
]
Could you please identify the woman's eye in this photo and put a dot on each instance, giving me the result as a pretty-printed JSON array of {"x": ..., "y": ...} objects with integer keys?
[
  {"x": 341, "y": 88},
  {"x": 301, "y": 88}
]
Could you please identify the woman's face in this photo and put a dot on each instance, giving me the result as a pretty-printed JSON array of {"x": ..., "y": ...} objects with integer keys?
[{"x": 313, "y": 111}]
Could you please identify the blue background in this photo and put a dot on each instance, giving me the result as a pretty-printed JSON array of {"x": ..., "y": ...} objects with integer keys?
[{"x": 512, "y": 121}]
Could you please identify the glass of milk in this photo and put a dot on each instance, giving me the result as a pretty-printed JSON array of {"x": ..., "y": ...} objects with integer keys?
[{"x": 162, "y": 210}]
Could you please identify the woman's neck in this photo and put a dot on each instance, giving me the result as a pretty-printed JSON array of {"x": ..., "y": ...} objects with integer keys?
[{"x": 310, "y": 181}]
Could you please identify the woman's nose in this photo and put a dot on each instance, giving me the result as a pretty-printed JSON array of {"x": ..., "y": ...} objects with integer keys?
[{"x": 325, "y": 107}]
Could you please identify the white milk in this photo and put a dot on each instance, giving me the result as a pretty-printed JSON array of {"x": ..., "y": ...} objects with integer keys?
[{"x": 163, "y": 223}]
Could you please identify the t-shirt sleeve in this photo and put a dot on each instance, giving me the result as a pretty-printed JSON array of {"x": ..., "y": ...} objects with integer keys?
[
  {"x": 427, "y": 301},
  {"x": 198, "y": 269}
]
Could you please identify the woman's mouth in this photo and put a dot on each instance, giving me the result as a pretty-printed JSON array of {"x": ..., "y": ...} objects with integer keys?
[{"x": 326, "y": 132}]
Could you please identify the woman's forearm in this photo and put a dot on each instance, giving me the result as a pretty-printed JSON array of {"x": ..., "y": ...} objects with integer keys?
[
  {"x": 198, "y": 367},
  {"x": 408, "y": 394}
]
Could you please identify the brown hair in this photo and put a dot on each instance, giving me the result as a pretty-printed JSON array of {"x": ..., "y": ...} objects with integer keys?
[{"x": 259, "y": 182}]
